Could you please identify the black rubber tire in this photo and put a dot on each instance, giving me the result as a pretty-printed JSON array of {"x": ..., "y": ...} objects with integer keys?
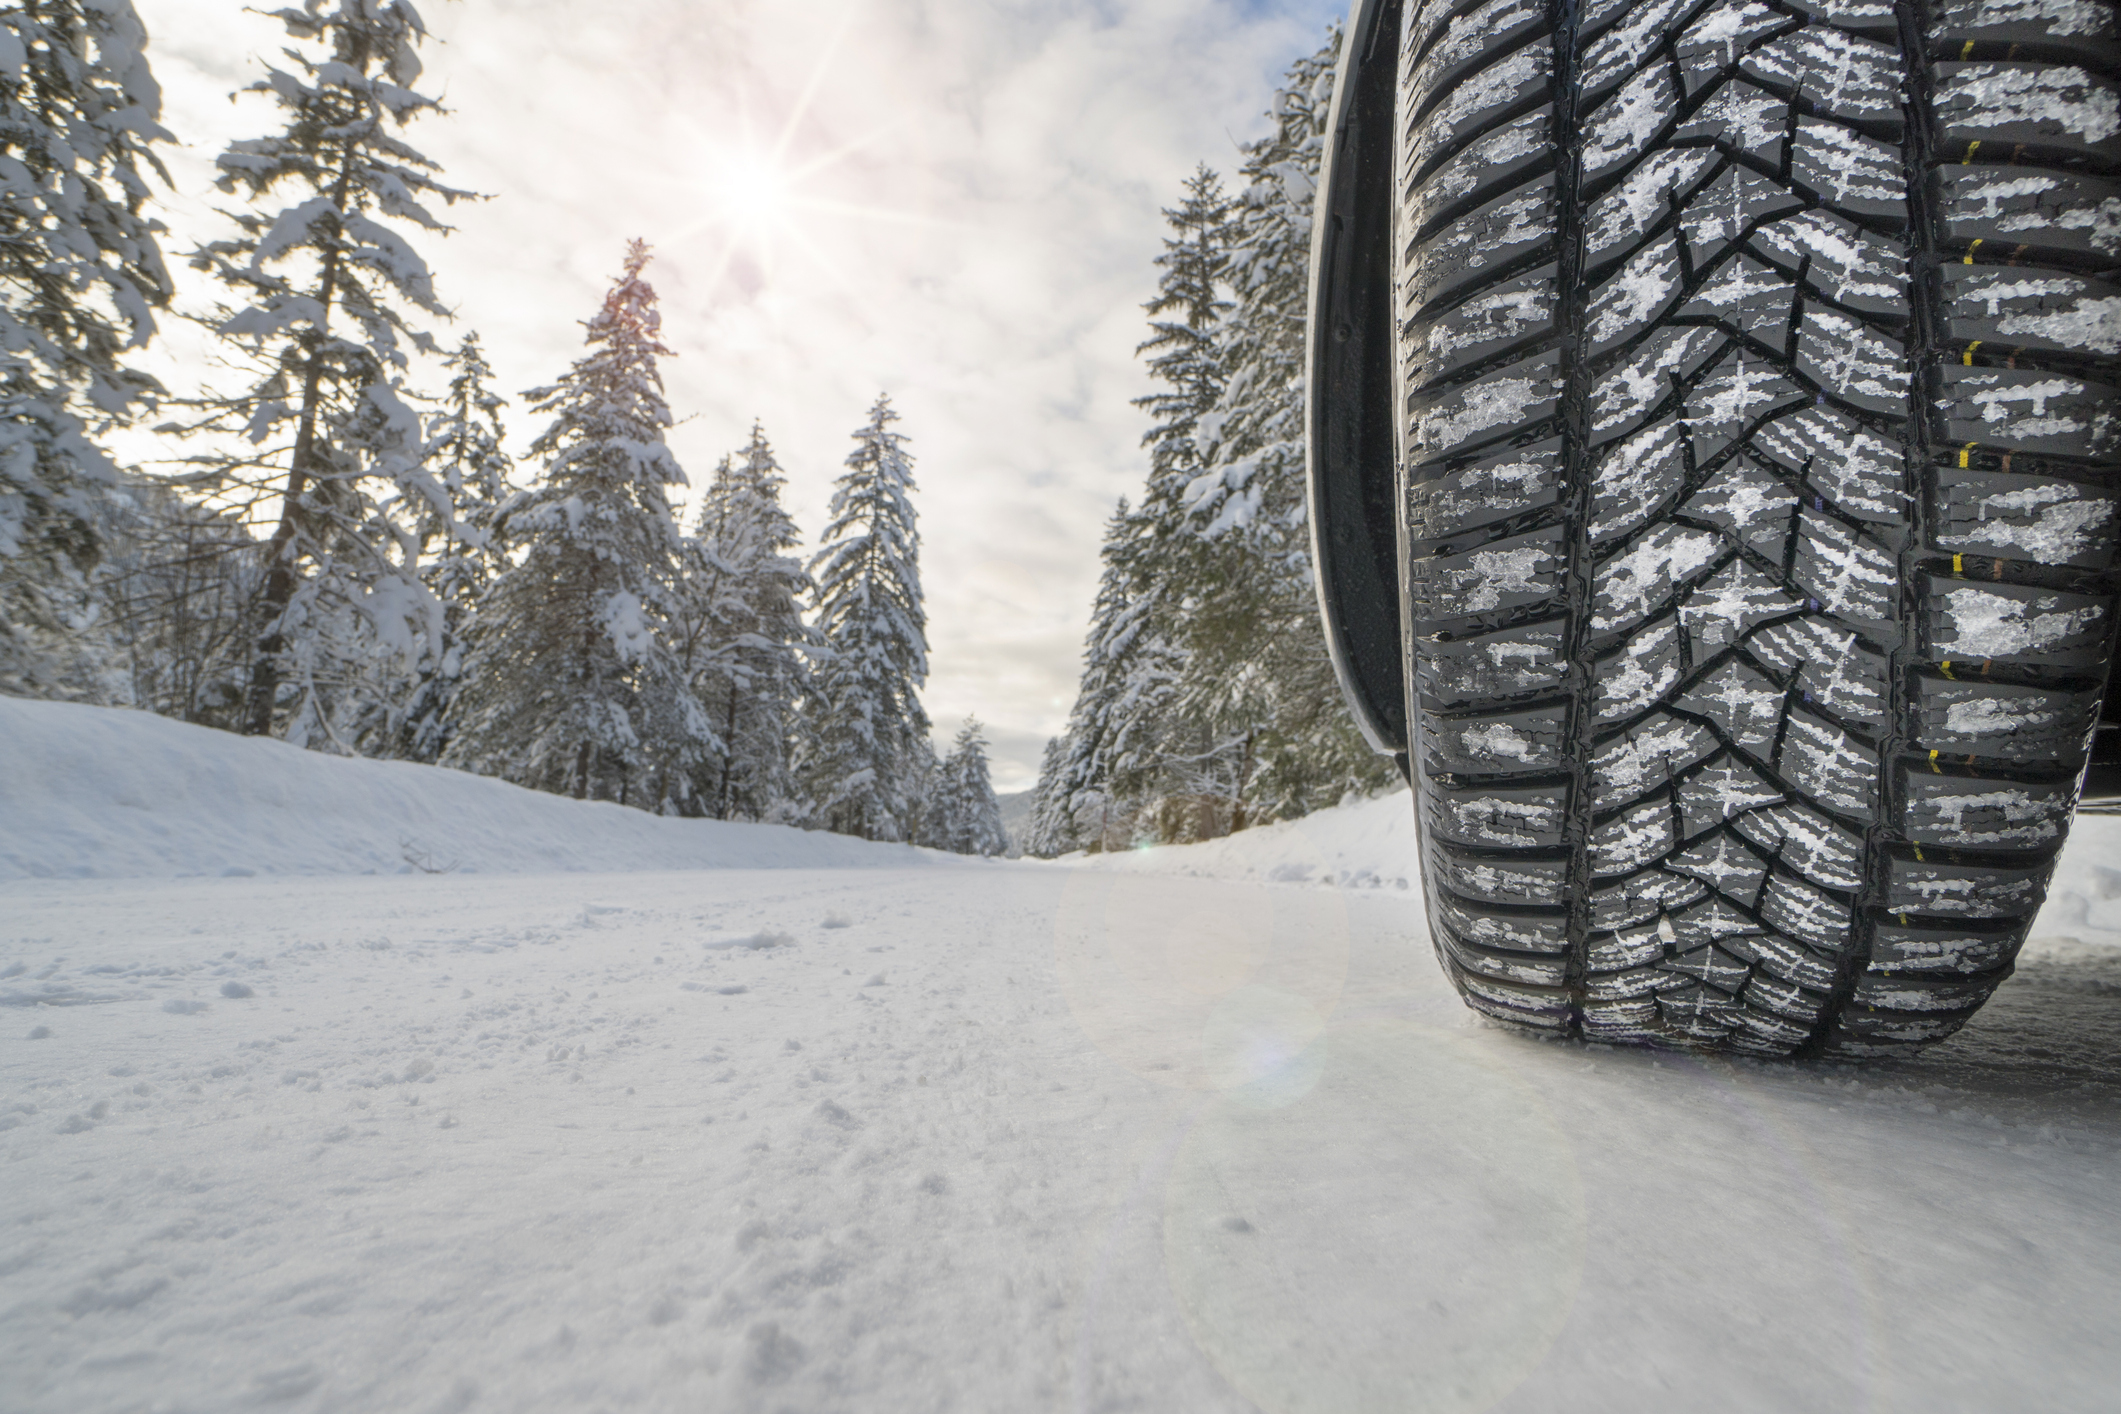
[{"x": 1758, "y": 462}]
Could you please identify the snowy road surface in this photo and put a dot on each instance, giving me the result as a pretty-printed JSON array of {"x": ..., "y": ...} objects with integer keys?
[{"x": 1198, "y": 1129}]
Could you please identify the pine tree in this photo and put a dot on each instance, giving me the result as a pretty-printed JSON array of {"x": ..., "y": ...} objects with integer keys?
[
  {"x": 326, "y": 289},
  {"x": 963, "y": 816},
  {"x": 1257, "y": 673},
  {"x": 866, "y": 728},
  {"x": 80, "y": 276},
  {"x": 461, "y": 549},
  {"x": 1129, "y": 746},
  {"x": 739, "y": 629},
  {"x": 571, "y": 686},
  {"x": 1050, "y": 831}
]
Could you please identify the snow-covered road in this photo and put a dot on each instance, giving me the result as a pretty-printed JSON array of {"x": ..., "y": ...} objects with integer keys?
[{"x": 988, "y": 1137}]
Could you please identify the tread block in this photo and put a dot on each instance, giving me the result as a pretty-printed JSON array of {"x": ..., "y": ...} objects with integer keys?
[
  {"x": 1839, "y": 74},
  {"x": 2008, "y": 623},
  {"x": 2023, "y": 725},
  {"x": 1751, "y": 506},
  {"x": 1625, "y": 397},
  {"x": 2020, "y": 21},
  {"x": 1509, "y": 662},
  {"x": 1622, "y": 986},
  {"x": 1509, "y": 228},
  {"x": 1505, "y": 817},
  {"x": 1726, "y": 865},
  {"x": 1738, "y": 200},
  {"x": 1618, "y": 951},
  {"x": 1898, "y": 947},
  {"x": 1632, "y": 584},
  {"x": 1786, "y": 999},
  {"x": 1710, "y": 921},
  {"x": 1622, "y": 1023},
  {"x": 1807, "y": 914},
  {"x": 2038, "y": 518},
  {"x": 1645, "y": 196},
  {"x": 1731, "y": 604},
  {"x": 1943, "y": 890},
  {"x": 1647, "y": 757},
  {"x": 1828, "y": 854},
  {"x": 1886, "y": 992},
  {"x": 1849, "y": 172},
  {"x": 1543, "y": 1007},
  {"x": 1720, "y": 36},
  {"x": 1464, "y": 45},
  {"x": 1830, "y": 767},
  {"x": 1496, "y": 741},
  {"x": 1509, "y": 574},
  {"x": 1744, "y": 705},
  {"x": 1863, "y": 474},
  {"x": 1642, "y": 896},
  {"x": 1711, "y": 965},
  {"x": 1830, "y": 666},
  {"x": 1721, "y": 792},
  {"x": 1738, "y": 114},
  {"x": 1638, "y": 836},
  {"x": 1636, "y": 476},
  {"x": 2031, "y": 409},
  {"x": 1637, "y": 295},
  {"x": 1639, "y": 674},
  {"x": 1842, "y": 570},
  {"x": 1730, "y": 398},
  {"x": 1861, "y": 1025},
  {"x": 1484, "y": 169},
  {"x": 1771, "y": 1034},
  {"x": 1505, "y": 967},
  {"x": 1615, "y": 54},
  {"x": 1440, "y": 423},
  {"x": 1491, "y": 322},
  {"x": 2019, "y": 206},
  {"x": 2057, "y": 105},
  {"x": 1623, "y": 125},
  {"x": 1467, "y": 108},
  {"x": 1747, "y": 297},
  {"x": 1789, "y": 961},
  {"x": 1524, "y": 882},
  {"x": 1700, "y": 1014},
  {"x": 1847, "y": 265},
  {"x": 1514, "y": 483},
  {"x": 1853, "y": 362},
  {"x": 2032, "y": 309},
  {"x": 1977, "y": 814}
]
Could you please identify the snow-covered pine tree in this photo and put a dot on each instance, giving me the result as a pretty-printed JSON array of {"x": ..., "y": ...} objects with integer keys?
[
  {"x": 323, "y": 442},
  {"x": 1050, "y": 830},
  {"x": 1257, "y": 672},
  {"x": 1128, "y": 747},
  {"x": 865, "y": 730},
  {"x": 571, "y": 686},
  {"x": 741, "y": 633},
  {"x": 80, "y": 276},
  {"x": 460, "y": 551},
  {"x": 964, "y": 817}
]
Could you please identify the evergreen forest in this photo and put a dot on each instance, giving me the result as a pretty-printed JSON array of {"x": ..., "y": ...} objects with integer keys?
[{"x": 337, "y": 549}]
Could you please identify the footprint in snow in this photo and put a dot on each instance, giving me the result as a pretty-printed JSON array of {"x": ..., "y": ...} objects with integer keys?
[
  {"x": 837, "y": 920},
  {"x": 176, "y": 1006}
]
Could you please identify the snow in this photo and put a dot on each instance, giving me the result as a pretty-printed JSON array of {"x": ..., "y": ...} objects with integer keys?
[{"x": 1181, "y": 1129}]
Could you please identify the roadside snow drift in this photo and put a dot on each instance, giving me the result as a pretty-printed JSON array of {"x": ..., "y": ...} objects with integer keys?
[
  {"x": 1200, "y": 1130},
  {"x": 91, "y": 792}
]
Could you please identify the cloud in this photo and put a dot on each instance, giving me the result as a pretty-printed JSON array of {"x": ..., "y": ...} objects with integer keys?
[{"x": 972, "y": 199}]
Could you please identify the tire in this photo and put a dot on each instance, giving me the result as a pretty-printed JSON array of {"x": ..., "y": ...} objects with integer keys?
[{"x": 1758, "y": 444}]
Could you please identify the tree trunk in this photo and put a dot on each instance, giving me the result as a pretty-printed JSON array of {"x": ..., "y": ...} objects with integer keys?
[{"x": 281, "y": 580}]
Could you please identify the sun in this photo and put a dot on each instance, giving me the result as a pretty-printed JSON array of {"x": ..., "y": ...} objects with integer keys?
[{"x": 755, "y": 191}]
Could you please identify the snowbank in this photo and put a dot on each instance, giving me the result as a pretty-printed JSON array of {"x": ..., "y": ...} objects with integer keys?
[
  {"x": 94, "y": 792},
  {"x": 1368, "y": 844}
]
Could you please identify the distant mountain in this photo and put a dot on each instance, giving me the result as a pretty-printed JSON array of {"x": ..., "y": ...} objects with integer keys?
[{"x": 1016, "y": 813}]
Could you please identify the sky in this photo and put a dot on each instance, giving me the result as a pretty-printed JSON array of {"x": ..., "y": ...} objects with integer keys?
[{"x": 952, "y": 201}]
